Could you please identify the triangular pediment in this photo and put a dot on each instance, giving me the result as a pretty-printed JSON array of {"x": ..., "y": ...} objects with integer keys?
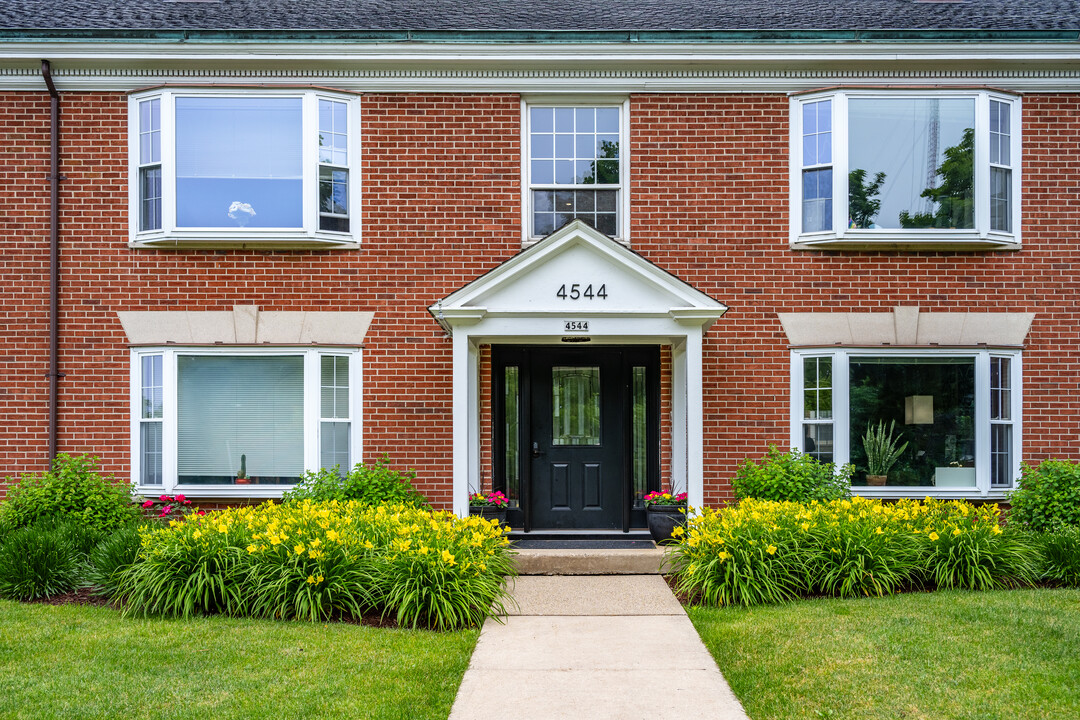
[{"x": 577, "y": 270}]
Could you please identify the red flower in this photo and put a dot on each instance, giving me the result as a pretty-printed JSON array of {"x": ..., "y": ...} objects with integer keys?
[
  {"x": 148, "y": 503},
  {"x": 182, "y": 499}
]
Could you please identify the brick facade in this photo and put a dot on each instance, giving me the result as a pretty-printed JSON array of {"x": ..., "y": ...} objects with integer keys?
[{"x": 441, "y": 205}]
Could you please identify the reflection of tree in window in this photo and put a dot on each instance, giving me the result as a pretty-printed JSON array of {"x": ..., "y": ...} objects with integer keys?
[
  {"x": 863, "y": 200},
  {"x": 955, "y": 198}
]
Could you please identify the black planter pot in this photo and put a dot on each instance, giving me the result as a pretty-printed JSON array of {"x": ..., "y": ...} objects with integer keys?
[
  {"x": 490, "y": 513},
  {"x": 663, "y": 519}
]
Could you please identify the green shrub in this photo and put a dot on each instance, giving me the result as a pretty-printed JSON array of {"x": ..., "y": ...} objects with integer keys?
[
  {"x": 791, "y": 476},
  {"x": 376, "y": 484},
  {"x": 111, "y": 557},
  {"x": 1061, "y": 556},
  {"x": 316, "y": 560},
  {"x": 854, "y": 559},
  {"x": 73, "y": 488},
  {"x": 37, "y": 562},
  {"x": 78, "y": 536},
  {"x": 1048, "y": 495}
]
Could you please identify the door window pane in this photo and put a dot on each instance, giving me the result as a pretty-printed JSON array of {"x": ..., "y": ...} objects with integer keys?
[
  {"x": 575, "y": 405},
  {"x": 511, "y": 417},
  {"x": 639, "y": 435}
]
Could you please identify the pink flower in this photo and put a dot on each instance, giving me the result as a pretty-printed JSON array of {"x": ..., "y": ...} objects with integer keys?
[
  {"x": 148, "y": 503},
  {"x": 166, "y": 510},
  {"x": 164, "y": 498},
  {"x": 181, "y": 499}
]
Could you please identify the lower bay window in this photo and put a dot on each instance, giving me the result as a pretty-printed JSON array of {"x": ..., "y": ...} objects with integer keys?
[
  {"x": 954, "y": 413},
  {"x": 241, "y": 421}
]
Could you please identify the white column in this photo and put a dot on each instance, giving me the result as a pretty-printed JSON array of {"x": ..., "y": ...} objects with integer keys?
[
  {"x": 678, "y": 416},
  {"x": 460, "y": 445},
  {"x": 695, "y": 440},
  {"x": 473, "y": 478}
]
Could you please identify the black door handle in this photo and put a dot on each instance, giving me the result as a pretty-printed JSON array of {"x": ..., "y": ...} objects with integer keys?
[{"x": 536, "y": 452}]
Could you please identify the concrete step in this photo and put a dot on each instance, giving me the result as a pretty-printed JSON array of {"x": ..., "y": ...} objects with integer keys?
[{"x": 638, "y": 561}]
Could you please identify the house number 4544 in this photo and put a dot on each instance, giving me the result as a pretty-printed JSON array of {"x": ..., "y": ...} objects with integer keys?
[{"x": 575, "y": 292}]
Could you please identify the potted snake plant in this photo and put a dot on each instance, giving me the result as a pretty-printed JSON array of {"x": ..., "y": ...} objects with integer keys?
[{"x": 882, "y": 451}]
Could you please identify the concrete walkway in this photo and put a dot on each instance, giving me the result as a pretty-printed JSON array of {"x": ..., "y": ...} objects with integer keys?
[{"x": 593, "y": 647}]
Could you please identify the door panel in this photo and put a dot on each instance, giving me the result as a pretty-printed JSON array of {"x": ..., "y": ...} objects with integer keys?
[{"x": 578, "y": 430}]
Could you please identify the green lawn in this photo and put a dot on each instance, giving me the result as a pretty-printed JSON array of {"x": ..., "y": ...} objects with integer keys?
[
  {"x": 87, "y": 662},
  {"x": 941, "y": 656}
]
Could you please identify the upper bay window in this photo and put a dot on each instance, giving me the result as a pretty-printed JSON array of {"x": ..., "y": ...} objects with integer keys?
[
  {"x": 576, "y": 168},
  {"x": 906, "y": 169},
  {"x": 269, "y": 168}
]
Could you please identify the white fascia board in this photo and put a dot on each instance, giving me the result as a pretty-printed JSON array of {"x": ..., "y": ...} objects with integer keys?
[
  {"x": 537, "y": 68},
  {"x": 542, "y": 53}
]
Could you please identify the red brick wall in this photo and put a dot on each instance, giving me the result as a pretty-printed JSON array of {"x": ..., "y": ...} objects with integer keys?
[{"x": 441, "y": 205}]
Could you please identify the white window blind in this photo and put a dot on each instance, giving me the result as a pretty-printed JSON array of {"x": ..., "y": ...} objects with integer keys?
[{"x": 229, "y": 406}]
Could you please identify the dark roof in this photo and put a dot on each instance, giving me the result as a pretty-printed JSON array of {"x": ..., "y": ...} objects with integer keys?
[{"x": 337, "y": 16}]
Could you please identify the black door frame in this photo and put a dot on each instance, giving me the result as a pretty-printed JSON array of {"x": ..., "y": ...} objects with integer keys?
[{"x": 504, "y": 356}]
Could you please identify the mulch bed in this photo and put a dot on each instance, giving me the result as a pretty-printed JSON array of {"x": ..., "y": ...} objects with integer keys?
[
  {"x": 86, "y": 596},
  {"x": 82, "y": 596}
]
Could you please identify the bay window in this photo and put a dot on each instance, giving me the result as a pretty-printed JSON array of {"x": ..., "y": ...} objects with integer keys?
[
  {"x": 242, "y": 421},
  {"x": 905, "y": 168},
  {"x": 254, "y": 168},
  {"x": 955, "y": 413}
]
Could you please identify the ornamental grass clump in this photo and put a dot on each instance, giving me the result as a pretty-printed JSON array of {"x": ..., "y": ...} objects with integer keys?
[
  {"x": 38, "y": 562},
  {"x": 766, "y": 551},
  {"x": 1061, "y": 555},
  {"x": 315, "y": 561}
]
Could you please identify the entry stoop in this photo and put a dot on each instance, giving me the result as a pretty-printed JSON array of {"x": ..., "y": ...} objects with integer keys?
[{"x": 641, "y": 559}]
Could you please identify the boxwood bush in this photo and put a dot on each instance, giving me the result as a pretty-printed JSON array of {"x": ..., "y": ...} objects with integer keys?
[
  {"x": 72, "y": 488},
  {"x": 317, "y": 560},
  {"x": 1048, "y": 495},
  {"x": 767, "y": 551},
  {"x": 791, "y": 476}
]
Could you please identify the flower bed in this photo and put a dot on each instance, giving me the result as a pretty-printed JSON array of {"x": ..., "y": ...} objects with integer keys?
[
  {"x": 315, "y": 560},
  {"x": 765, "y": 551}
]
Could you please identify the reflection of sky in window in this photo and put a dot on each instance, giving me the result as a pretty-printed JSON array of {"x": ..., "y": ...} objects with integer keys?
[
  {"x": 892, "y": 136},
  {"x": 239, "y": 150}
]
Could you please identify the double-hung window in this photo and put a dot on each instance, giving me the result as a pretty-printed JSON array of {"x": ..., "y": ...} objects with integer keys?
[
  {"x": 912, "y": 169},
  {"x": 241, "y": 421},
  {"x": 576, "y": 168},
  {"x": 953, "y": 414},
  {"x": 264, "y": 167}
]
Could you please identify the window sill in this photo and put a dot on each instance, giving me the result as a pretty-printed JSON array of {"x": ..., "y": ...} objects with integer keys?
[
  {"x": 256, "y": 240},
  {"x": 222, "y": 492},
  {"x": 886, "y": 240},
  {"x": 997, "y": 494}
]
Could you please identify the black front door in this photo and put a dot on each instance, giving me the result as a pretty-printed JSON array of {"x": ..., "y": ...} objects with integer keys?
[{"x": 587, "y": 433}]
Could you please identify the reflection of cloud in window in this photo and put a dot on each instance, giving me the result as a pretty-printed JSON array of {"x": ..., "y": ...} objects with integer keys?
[{"x": 241, "y": 212}]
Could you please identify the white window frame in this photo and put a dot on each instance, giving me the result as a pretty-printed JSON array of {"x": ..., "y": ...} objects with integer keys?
[
  {"x": 622, "y": 219},
  {"x": 312, "y": 415},
  {"x": 981, "y": 237},
  {"x": 841, "y": 414},
  {"x": 309, "y": 235}
]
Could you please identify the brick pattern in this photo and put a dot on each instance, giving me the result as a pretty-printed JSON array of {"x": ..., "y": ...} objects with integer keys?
[{"x": 441, "y": 206}]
